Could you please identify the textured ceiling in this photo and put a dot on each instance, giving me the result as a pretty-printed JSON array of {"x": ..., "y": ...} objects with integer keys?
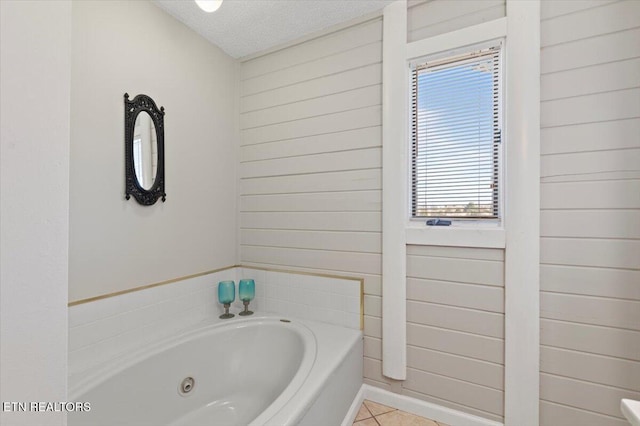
[{"x": 244, "y": 27}]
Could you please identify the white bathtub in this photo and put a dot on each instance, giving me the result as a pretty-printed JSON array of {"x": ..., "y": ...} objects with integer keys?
[{"x": 256, "y": 371}]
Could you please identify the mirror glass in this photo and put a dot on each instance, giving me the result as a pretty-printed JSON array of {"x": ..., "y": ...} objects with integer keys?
[{"x": 145, "y": 150}]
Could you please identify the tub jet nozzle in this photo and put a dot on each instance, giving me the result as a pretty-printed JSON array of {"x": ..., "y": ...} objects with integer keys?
[{"x": 186, "y": 386}]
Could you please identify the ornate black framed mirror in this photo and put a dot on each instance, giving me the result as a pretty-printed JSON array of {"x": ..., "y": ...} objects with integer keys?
[{"x": 144, "y": 150}]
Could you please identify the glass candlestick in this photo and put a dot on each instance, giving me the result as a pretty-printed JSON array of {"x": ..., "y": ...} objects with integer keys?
[
  {"x": 226, "y": 296},
  {"x": 246, "y": 292}
]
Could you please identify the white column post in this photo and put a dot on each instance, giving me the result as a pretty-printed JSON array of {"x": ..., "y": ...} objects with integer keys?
[
  {"x": 394, "y": 198},
  {"x": 522, "y": 257}
]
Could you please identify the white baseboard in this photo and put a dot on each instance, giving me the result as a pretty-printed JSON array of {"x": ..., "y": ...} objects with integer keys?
[{"x": 413, "y": 406}]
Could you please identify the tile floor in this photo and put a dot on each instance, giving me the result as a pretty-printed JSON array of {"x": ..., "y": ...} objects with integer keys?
[{"x": 374, "y": 414}]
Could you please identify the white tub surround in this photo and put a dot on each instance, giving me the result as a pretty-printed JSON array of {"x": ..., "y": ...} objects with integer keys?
[
  {"x": 101, "y": 330},
  {"x": 332, "y": 299},
  {"x": 257, "y": 371}
]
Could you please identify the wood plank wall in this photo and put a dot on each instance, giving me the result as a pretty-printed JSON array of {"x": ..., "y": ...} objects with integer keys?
[
  {"x": 455, "y": 330},
  {"x": 455, "y": 296},
  {"x": 310, "y": 179},
  {"x": 590, "y": 211},
  {"x": 429, "y": 18},
  {"x": 310, "y": 200},
  {"x": 310, "y": 171}
]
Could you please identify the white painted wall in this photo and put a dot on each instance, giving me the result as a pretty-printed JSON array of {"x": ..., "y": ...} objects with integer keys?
[
  {"x": 34, "y": 218},
  {"x": 136, "y": 47}
]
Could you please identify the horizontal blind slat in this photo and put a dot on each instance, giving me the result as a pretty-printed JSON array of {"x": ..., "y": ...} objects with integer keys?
[{"x": 456, "y": 136}]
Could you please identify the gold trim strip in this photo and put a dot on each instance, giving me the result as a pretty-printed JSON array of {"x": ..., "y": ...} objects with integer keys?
[
  {"x": 293, "y": 271},
  {"x": 260, "y": 268},
  {"x": 362, "y": 306},
  {"x": 145, "y": 287}
]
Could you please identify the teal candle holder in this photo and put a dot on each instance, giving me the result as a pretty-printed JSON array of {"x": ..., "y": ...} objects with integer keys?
[
  {"x": 226, "y": 296},
  {"x": 246, "y": 292}
]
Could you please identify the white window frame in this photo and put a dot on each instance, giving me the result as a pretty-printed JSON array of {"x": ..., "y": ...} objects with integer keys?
[
  {"x": 466, "y": 233},
  {"x": 519, "y": 230},
  {"x": 462, "y": 232}
]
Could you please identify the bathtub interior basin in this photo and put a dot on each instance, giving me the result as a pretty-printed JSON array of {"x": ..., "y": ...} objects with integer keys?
[{"x": 224, "y": 374}]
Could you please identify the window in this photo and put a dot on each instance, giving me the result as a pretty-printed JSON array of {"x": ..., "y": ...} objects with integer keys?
[{"x": 456, "y": 136}]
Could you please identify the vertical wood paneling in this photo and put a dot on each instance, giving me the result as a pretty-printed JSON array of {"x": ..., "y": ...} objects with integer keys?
[{"x": 590, "y": 219}]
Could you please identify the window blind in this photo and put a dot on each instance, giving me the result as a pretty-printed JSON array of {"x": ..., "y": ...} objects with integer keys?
[{"x": 456, "y": 136}]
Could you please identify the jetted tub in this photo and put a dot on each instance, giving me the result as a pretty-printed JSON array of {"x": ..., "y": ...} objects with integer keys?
[{"x": 256, "y": 371}]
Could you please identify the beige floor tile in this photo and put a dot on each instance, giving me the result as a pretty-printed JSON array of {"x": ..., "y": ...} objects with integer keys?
[
  {"x": 376, "y": 408},
  {"x": 401, "y": 418},
  {"x": 363, "y": 413},
  {"x": 367, "y": 422}
]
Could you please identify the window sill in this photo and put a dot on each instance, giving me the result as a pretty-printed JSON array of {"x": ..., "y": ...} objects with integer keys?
[{"x": 456, "y": 236}]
